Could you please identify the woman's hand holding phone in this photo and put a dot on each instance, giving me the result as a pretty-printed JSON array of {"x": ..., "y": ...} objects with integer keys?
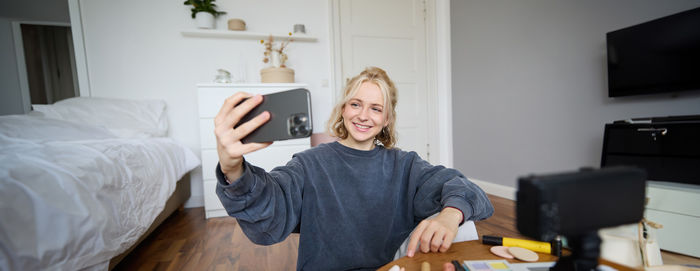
[{"x": 228, "y": 139}]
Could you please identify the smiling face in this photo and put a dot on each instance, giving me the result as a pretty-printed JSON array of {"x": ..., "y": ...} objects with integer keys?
[
  {"x": 350, "y": 126},
  {"x": 364, "y": 117}
]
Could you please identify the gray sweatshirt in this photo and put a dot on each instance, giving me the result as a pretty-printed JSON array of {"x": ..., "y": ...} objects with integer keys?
[{"x": 352, "y": 208}]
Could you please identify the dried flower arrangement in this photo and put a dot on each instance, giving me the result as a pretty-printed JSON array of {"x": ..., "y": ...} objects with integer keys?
[{"x": 270, "y": 48}]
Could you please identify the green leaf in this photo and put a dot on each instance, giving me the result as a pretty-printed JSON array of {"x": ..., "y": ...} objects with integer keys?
[{"x": 204, "y": 6}]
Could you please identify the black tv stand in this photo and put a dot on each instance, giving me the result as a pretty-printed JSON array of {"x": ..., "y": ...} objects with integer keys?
[
  {"x": 668, "y": 148},
  {"x": 660, "y": 119}
]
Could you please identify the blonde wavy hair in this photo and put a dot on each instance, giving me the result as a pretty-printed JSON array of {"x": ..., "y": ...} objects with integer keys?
[{"x": 377, "y": 76}]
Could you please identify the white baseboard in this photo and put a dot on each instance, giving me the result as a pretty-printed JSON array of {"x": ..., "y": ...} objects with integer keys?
[
  {"x": 496, "y": 189},
  {"x": 195, "y": 201}
]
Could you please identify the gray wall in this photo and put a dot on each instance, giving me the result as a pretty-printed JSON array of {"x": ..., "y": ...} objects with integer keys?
[
  {"x": 25, "y": 10},
  {"x": 10, "y": 94},
  {"x": 529, "y": 83},
  {"x": 36, "y": 10}
]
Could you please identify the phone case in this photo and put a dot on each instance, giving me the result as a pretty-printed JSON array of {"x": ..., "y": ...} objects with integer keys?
[{"x": 290, "y": 116}]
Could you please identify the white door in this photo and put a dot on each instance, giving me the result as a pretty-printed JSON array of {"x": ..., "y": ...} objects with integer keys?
[{"x": 390, "y": 34}]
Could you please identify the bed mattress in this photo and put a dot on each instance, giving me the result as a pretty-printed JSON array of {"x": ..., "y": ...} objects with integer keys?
[{"x": 72, "y": 196}]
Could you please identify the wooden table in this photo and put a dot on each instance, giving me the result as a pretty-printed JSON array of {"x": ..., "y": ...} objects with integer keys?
[{"x": 468, "y": 251}]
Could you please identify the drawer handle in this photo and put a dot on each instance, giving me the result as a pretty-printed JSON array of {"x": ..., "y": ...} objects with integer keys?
[
  {"x": 653, "y": 131},
  {"x": 663, "y": 131}
]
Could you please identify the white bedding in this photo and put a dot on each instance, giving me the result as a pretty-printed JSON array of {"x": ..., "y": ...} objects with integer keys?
[{"x": 73, "y": 195}]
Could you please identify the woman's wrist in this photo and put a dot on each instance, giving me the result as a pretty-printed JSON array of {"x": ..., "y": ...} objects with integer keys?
[
  {"x": 232, "y": 174},
  {"x": 454, "y": 213}
]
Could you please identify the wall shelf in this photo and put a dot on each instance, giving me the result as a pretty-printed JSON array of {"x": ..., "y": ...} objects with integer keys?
[{"x": 229, "y": 34}]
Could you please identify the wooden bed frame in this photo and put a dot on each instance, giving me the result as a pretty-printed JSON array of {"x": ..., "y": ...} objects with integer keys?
[{"x": 175, "y": 202}]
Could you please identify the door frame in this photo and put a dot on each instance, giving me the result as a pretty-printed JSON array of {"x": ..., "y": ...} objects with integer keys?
[
  {"x": 439, "y": 75},
  {"x": 22, "y": 64},
  {"x": 79, "y": 50}
]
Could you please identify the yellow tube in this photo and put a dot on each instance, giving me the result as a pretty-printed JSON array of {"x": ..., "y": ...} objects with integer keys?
[{"x": 543, "y": 247}]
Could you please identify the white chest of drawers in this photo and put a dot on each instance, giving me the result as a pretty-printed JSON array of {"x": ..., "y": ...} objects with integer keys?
[{"x": 211, "y": 97}]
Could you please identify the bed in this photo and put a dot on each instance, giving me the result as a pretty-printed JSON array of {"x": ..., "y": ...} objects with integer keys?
[{"x": 82, "y": 181}]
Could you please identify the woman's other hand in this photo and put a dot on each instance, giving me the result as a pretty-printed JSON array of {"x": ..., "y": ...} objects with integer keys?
[
  {"x": 436, "y": 233},
  {"x": 228, "y": 139}
]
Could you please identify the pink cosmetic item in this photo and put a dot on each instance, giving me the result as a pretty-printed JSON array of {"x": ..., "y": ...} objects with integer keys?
[
  {"x": 501, "y": 251},
  {"x": 523, "y": 254}
]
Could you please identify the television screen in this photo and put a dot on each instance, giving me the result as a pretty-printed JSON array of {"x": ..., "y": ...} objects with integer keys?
[{"x": 658, "y": 56}]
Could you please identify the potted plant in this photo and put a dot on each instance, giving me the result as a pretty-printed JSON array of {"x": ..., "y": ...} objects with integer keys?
[{"x": 204, "y": 12}]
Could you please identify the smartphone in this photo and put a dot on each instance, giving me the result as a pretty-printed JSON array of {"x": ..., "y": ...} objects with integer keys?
[{"x": 290, "y": 116}]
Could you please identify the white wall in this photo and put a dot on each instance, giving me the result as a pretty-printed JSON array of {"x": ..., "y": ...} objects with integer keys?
[
  {"x": 26, "y": 10},
  {"x": 135, "y": 50},
  {"x": 529, "y": 83}
]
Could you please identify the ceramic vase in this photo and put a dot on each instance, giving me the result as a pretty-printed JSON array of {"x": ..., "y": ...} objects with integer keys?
[{"x": 275, "y": 59}]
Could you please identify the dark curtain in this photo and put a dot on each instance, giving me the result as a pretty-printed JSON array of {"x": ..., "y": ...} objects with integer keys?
[{"x": 48, "y": 53}]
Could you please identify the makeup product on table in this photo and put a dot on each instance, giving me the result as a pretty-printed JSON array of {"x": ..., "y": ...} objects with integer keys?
[
  {"x": 501, "y": 251},
  {"x": 487, "y": 265},
  {"x": 553, "y": 248},
  {"x": 502, "y": 265},
  {"x": 523, "y": 254},
  {"x": 458, "y": 266}
]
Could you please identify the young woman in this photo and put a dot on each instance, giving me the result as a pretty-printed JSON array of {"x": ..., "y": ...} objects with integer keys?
[{"x": 353, "y": 201}]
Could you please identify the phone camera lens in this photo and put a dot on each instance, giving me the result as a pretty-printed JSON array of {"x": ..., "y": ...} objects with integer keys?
[
  {"x": 302, "y": 130},
  {"x": 299, "y": 119},
  {"x": 299, "y": 125}
]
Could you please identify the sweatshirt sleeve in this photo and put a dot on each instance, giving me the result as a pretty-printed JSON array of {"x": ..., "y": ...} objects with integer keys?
[
  {"x": 266, "y": 205},
  {"x": 438, "y": 187}
]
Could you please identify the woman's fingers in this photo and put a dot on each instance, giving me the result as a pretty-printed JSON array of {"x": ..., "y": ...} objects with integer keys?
[
  {"x": 415, "y": 238},
  {"x": 228, "y": 106},
  {"x": 242, "y": 109},
  {"x": 426, "y": 239},
  {"x": 447, "y": 241},
  {"x": 248, "y": 127},
  {"x": 234, "y": 109},
  {"x": 230, "y": 139},
  {"x": 232, "y": 112},
  {"x": 430, "y": 235},
  {"x": 437, "y": 240}
]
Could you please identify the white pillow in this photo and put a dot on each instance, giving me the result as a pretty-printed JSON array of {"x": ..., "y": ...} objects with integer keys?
[
  {"x": 125, "y": 118},
  {"x": 39, "y": 129}
]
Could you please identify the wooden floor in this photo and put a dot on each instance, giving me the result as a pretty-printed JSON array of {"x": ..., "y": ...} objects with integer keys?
[{"x": 186, "y": 241}]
